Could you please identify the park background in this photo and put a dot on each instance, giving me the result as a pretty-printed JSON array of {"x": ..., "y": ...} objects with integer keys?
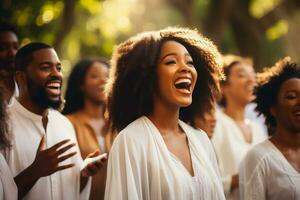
[{"x": 264, "y": 30}]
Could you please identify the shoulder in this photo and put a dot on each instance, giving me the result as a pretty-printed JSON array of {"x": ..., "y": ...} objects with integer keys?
[
  {"x": 136, "y": 131},
  {"x": 257, "y": 157},
  {"x": 75, "y": 118},
  {"x": 59, "y": 119}
]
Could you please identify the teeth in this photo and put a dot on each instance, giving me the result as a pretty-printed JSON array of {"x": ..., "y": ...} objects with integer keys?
[
  {"x": 53, "y": 85},
  {"x": 183, "y": 80}
]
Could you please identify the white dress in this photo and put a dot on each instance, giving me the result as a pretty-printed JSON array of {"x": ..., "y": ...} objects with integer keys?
[
  {"x": 140, "y": 166},
  {"x": 27, "y": 131},
  {"x": 231, "y": 148},
  {"x": 266, "y": 174},
  {"x": 8, "y": 188}
]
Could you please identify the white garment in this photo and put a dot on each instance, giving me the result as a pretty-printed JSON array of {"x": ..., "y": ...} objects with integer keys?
[
  {"x": 27, "y": 131},
  {"x": 140, "y": 166},
  {"x": 231, "y": 147},
  {"x": 8, "y": 188},
  {"x": 266, "y": 174},
  {"x": 252, "y": 114},
  {"x": 15, "y": 95}
]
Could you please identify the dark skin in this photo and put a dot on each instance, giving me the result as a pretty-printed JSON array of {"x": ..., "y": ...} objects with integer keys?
[
  {"x": 238, "y": 92},
  {"x": 174, "y": 63},
  {"x": 46, "y": 66},
  {"x": 287, "y": 114},
  {"x": 9, "y": 45}
]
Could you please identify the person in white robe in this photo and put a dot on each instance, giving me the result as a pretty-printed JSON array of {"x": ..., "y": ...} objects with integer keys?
[
  {"x": 231, "y": 147},
  {"x": 271, "y": 170},
  {"x": 235, "y": 134},
  {"x": 155, "y": 155},
  {"x": 44, "y": 157}
]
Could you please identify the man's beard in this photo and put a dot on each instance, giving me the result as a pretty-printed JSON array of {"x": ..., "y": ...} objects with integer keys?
[{"x": 40, "y": 97}]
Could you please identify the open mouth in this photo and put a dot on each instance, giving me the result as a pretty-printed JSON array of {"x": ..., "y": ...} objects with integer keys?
[
  {"x": 297, "y": 113},
  {"x": 54, "y": 88},
  {"x": 183, "y": 85}
]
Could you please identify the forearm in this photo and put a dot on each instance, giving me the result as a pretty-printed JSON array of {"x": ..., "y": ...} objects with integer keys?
[{"x": 25, "y": 180}]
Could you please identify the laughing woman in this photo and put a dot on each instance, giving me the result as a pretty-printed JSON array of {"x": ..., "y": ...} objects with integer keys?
[
  {"x": 156, "y": 78},
  {"x": 271, "y": 170}
]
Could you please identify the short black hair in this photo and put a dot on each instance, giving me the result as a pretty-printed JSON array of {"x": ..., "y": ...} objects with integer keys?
[
  {"x": 269, "y": 83},
  {"x": 6, "y": 27},
  {"x": 131, "y": 86},
  {"x": 74, "y": 96},
  {"x": 23, "y": 56}
]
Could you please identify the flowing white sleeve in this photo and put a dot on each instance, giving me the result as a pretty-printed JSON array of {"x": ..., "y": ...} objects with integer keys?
[
  {"x": 252, "y": 179},
  {"x": 124, "y": 170}
]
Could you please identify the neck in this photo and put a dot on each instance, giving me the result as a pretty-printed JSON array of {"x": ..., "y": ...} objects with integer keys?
[
  {"x": 25, "y": 100},
  {"x": 286, "y": 138},
  {"x": 93, "y": 110},
  {"x": 165, "y": 118},
  {"x": 235, "y": 111}
]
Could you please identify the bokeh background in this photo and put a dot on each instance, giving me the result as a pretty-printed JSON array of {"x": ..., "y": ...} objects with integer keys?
[{"x": 265, "y": 30}]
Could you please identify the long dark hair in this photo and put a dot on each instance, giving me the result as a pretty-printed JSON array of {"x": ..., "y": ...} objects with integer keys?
[
  {"x": 4, "y": 139},
  {"x": 74, "y": 96},
  {"x": 131, "y": 86}
]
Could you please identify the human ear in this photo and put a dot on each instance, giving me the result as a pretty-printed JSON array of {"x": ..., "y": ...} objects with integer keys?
[{"x": 21, "y": 79}]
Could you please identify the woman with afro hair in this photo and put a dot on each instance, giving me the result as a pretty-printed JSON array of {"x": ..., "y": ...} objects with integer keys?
[
  {"x": 271, "y": 170},
  {"x": 158, "y": 81}
]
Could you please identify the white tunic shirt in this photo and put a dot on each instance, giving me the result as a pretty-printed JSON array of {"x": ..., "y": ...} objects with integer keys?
[
  {"x": 231, "y": 148},
  {"x": 140, "y": 166},
  {"x": 8, "y": 188},
  {"x": 27, "y": 131},
  {"x": 266, "y": 174}
]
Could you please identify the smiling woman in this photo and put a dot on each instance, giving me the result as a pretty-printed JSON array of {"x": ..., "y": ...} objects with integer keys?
[
  {"x": 271, "y": 170},
  {"x": 158, "y": 77}
]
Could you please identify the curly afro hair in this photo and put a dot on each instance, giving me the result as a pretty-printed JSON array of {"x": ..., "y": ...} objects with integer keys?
[
  {"x": 269, "y": 83},
  {"x": 131, "y": 86}
]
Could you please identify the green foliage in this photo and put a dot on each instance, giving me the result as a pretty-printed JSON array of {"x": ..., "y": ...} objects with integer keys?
[{"x": 100, "y": 24}]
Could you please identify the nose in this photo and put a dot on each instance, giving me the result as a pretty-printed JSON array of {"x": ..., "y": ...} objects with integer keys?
[
  {"x": 55, "y": 72},
  {"x": 184, "y": 67}
]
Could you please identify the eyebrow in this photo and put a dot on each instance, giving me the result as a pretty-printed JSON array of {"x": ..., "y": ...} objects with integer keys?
[
  {"x": 48, "y": 63},
  {"x": 291, "y": 90},
  {"x": 173, "y": 54}
]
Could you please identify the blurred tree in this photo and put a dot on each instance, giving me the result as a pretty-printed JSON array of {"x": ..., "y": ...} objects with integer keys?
[
  {"x": 263, "y": 29},
  {"x": 252, "y": 27}
]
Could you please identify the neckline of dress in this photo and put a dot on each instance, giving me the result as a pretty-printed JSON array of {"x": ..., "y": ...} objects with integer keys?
[{"x": 171, "y": 154}]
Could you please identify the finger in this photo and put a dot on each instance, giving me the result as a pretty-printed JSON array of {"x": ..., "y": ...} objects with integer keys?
[
  {"x": 65, "y": 157},
  {"x": 94, "y": 154},
  {"x": 42, "y": 144},
  {"x": 92, "y": 169},
  {"x": 99, "y": 164},
  {"x": 59, "y": 144},
  {"x": 64, "y": 149},
  {"x": 103, "y": 160},
  {"x": 64, "y": 167}
]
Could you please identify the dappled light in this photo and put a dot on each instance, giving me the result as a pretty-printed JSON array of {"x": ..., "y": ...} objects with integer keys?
[{"x": 87, "y": 28}]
